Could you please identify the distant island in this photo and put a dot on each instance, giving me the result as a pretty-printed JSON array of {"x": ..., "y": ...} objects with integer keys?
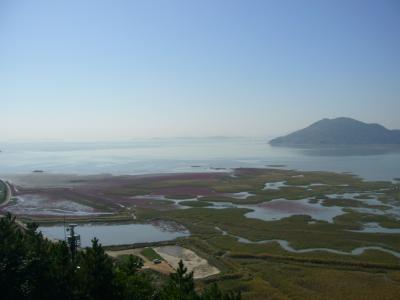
[{"x": 340, "y": 131}]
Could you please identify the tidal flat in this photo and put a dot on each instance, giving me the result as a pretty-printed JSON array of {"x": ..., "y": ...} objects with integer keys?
[{"x": 323, "y": 225}]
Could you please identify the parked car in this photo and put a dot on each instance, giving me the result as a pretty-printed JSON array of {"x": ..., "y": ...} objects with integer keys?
[{"x": 156, "y": 261}]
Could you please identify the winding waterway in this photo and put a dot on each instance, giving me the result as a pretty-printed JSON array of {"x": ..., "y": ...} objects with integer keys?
[{"x": 286, "y": 246}]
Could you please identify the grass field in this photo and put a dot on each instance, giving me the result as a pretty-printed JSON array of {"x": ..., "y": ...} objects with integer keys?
[{"x": 150, "y": 254}]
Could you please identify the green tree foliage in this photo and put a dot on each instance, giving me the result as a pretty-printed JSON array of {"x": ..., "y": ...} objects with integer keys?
[
  {"x": 180, "y": 286},
  {"x": 29, "y": 264},
  {"x": 32, "y": 267},
  {"x": 132, "y": 284},
  {"x": 95, "y": 273}
]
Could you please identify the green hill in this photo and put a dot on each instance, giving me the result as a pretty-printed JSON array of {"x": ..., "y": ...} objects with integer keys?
[{"x": 340, "y": 131}]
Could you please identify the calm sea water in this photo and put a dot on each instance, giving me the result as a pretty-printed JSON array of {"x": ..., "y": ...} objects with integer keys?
[{"x": 147, "y": 156}]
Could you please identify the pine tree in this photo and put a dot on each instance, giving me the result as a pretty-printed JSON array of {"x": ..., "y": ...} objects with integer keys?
[
  {"x": 180, "y": 286},
  {"x": 95, "y": 273}
]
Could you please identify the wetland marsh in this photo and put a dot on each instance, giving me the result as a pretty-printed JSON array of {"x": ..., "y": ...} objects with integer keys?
[{"x": 312, "y": 221}]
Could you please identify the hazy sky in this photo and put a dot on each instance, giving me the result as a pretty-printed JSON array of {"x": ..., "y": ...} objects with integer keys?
[{"x": 116, "y": 69}]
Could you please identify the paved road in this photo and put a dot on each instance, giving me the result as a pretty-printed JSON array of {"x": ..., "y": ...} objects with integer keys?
[{"x": 8, "y": 193}]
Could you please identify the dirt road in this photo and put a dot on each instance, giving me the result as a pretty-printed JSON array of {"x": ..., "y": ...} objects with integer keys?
[{"x": 8, "y": 193}]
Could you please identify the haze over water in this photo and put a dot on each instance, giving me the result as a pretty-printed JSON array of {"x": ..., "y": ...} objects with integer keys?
[{"x": 148, "y": 156}]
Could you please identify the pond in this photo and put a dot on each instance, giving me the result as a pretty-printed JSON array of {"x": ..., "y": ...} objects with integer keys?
[{"x": 120, "y": 234}]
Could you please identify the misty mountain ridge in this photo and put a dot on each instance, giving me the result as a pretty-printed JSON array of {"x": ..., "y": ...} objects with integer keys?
[{"x": 340, "y": 131}]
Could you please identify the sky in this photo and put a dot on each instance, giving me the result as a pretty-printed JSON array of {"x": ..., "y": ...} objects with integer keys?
[{"x": 119, "y": 69}]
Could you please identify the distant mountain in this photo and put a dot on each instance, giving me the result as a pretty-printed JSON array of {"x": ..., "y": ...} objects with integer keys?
[{"x": 339, "y": 131}]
